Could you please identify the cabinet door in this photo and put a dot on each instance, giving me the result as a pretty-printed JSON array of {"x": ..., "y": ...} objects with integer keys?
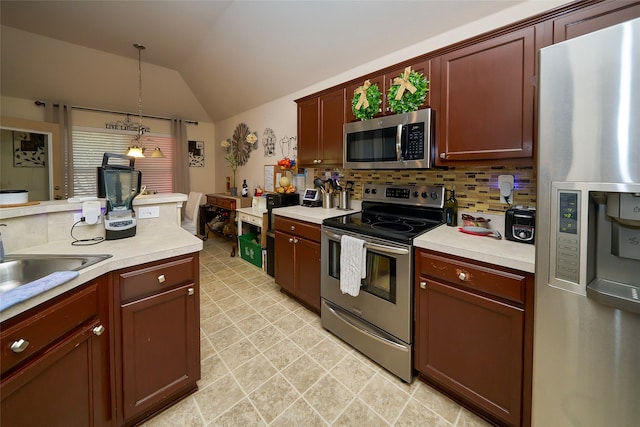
[
  {"x": 284, "y": 261},
  {"x": 331, "y": 128},
  {"x": 593, "y": 18},
  {"x": 472, "y": 346},
  {"x": 308, "y": 132},
  {"x": 161, "y": 349},
  {"x": 423, "y": 67},
  {"x": 63, "y": 387},
  {"x": 307, "y": 274},
  {"x": 487, "y": 99}
]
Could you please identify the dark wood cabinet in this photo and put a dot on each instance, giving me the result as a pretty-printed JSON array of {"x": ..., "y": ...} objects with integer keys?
[
  {"x": 385, "y": 81},
  {"x": 297, "y": 260},
  {"x": 320, "y": 121},
  {"x": 158, "y": 351},
  {"x": 593, "y": 18},
  {"x": 487, "y": 100},
  {"x": 56, "y": 369},
  {"x": 473, "y": 334}
]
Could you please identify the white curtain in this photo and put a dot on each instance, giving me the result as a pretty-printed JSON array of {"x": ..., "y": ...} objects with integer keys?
[
  {"x": 181, "y": 159},
  {"x": 60, "y": 113}
]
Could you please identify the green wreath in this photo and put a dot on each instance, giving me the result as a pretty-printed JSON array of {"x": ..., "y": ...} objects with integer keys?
[
  {"x": 373, "y": 98},
  {"x": 409, "y": 101}
]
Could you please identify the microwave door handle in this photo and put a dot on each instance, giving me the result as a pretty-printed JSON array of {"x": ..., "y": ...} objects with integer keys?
[
  {"x": 399, "y": 143},
  {"x": 373, "y": 246}
]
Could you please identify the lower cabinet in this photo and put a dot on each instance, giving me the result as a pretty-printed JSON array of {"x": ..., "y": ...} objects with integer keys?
[
  {"x": 158, "y": 352},
  {"x": 297, "y": 260},
  {"x": 55, "y": 362},
  {"x": 474, "y": 334}
]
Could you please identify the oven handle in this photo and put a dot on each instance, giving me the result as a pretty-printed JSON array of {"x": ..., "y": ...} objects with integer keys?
[
  {"x": 380, "y": 248},
  {"x": 399, "y": 143}
]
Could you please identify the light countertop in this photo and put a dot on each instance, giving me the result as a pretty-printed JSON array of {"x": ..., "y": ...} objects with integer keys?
[
  {"x": 315, "y": 215},
  {"x": 153, "y": 245},
  {"x": 449, "y": 240}
]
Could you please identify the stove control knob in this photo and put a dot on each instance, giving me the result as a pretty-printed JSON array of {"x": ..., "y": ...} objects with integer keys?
[
  {"x": 416, "y": 194},
  {"x": 367, "y": 191},
  {"x": 374, "y": 191},
  {"x": 434, "y": 195},
  {"x": 425, "y": 195}
]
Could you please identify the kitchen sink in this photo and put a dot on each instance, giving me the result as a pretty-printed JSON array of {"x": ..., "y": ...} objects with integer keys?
[{"x": 18, "y": 270}]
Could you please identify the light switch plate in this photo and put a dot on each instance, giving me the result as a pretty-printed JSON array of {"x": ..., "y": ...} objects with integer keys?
[{"x": 149, "y": 212}]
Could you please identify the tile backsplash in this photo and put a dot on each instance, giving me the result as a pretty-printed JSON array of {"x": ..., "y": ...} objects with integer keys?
[{"x": 476, "y": 187}]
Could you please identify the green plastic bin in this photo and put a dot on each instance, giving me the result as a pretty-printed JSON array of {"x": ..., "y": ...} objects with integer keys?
[{"x": 250, "y": 250}]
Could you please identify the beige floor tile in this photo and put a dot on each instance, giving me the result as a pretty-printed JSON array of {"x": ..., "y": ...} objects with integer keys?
[
  {"x": 303, "y": 373},
  {"x": 254, "y": 373},
  {"x": 212, "y": 370},
  {"x": 252, "y": 324},
  {"x": 384, "y": 398},
  {"x": 266, "y": 337},
  {"x": 273, "y": 397},
  {"x": 218, "y": 397},
  {"x": 359, "y": 414},
  {"x": 415, "y": 414},
  {"x": 238, "y": 353},
  {"x": 437, "y": 402},
  {"x": 282, "y": 353},
  {"x": 352, "y": 373},
  {"x": 328, "y": 397},
  {"x": 327, "y": 353},
  {"x": 241, "y": 414},
  {"x": 299, "y": 414}
]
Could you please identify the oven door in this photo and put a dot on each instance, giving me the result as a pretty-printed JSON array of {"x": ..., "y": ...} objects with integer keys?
[{"x": 385, "y": 294}]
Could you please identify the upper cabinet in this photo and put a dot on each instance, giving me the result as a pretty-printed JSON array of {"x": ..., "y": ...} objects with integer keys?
[
  {"x": 487, "y": 101},
  {"x": 384, "y": 82},
  {"x": 593, "y": 18},
  {"x": 320, "y": 121}
]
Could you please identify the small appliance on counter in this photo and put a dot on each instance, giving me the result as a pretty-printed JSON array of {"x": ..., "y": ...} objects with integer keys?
[
  {"x": 119, "y": 184},
  {"x": 312, "y": 198},
  {"x": 520, "y": 224}
]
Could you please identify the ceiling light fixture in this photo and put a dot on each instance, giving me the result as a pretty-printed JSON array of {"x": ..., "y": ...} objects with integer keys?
[{"x": 136, "y": 148}]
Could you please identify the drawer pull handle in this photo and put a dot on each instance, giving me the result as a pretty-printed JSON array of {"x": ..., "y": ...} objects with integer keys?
[
  {"x": 161, "y": 278},
  {"x": 191, "y": 291},
  {"x": 19, "y": 346},
  {"x": 98, "y": 330},
  {"x": 462, "y": 276},
  {"x": 423, "y": 285}
]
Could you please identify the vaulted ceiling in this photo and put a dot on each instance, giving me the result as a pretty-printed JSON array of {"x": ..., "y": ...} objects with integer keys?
[{"x": 231, "y": 55}]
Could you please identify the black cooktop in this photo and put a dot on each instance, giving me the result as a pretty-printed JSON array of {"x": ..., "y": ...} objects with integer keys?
[{"x": 389, "y": 221}]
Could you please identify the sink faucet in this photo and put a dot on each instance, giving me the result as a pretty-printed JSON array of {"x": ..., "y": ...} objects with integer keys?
[{"x": 2, "y": 245}]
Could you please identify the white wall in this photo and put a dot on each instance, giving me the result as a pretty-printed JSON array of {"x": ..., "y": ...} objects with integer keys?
[{"x": 281, "y": 114}]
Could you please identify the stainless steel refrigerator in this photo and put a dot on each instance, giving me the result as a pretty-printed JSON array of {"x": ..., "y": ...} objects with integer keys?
[{"x": 586, "y": 365}]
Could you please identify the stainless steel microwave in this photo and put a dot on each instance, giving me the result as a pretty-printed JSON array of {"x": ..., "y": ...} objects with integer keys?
[{"x": 400, "y": 141}]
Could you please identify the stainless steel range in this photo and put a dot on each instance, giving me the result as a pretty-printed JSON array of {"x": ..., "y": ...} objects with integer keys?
[{"x": 378, "y": 321}]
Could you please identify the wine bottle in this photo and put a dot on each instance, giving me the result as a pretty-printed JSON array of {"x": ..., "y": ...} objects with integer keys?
[{"x": 451, "y": 209}]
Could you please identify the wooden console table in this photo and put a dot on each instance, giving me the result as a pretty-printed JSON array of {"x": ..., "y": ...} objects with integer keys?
[{"x": 229, "y": 204}]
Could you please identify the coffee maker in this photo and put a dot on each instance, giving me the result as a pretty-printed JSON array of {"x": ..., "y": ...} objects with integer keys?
[{"x": 119, "y": 184}]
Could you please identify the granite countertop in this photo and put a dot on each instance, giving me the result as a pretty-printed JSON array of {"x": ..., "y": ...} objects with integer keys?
[
  {"x": 163, "y": 242},
  {"x": 450, "y": 240}
]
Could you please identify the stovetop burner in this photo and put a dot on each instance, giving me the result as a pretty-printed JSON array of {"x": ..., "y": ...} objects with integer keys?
[{"x": 398, "y": 213}]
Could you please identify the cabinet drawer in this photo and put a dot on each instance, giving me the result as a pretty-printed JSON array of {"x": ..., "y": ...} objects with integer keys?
[
  {"x": 299, "y": 228},
  {"x": 153, "y": 278},
  {"x": 473, "y": 276},
  {"x": 222, "y": 202},
  {"x": 251, "y": 219},
  {"x": 47, "y": 326}
]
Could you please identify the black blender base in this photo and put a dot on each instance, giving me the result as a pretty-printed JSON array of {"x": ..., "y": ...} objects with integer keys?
[{"x": 119, "y": 234}]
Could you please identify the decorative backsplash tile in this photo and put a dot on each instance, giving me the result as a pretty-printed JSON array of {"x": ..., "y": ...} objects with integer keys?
[{"x": 476, "y": 187}]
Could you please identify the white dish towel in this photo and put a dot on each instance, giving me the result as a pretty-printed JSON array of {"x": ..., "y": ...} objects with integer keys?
[{"x": 353, "y": 264}]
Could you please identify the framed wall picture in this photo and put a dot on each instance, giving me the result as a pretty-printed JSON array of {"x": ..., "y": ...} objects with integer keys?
[
  {"x": 196, "y": 154},
  {"x": 29, "y": 150}
]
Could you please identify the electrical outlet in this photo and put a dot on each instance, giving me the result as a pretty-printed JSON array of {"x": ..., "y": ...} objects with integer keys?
[
  {"x": 505, "y": 185},
  {"x": 149, "y": 212}
]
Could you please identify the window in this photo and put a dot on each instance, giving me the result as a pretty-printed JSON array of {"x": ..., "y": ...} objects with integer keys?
[{"x": 90, "y": 144}]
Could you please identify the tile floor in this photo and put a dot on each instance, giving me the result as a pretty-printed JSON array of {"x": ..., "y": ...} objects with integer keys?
[{"x": 267, "y": 361}]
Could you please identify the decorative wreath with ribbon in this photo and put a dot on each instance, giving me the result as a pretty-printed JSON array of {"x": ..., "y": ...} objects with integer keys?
[
  {"x": 408, "y": 91},
  {"x": 366, "y": 101}
]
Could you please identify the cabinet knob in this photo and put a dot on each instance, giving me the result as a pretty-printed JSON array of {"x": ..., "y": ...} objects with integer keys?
[
  {"x": 98, "y": 330},
  {"x": 19, "y": 346},
  {"x": 161, "y": 278},
  {"x": 290, "y": 239},
  {"x": 319, "y": 160},
  {"x": 443, "y": 156},
  {"x": 423, "y": 285},
  {"x": 462, "y": 275},
  {"x": 191, "y": 291},
  {"x": 293, "y": 227},
  {"x": 295, "y": 240}
]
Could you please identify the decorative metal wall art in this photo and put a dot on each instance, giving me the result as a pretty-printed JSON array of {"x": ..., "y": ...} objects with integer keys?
[{"x": 269, "y": 142}]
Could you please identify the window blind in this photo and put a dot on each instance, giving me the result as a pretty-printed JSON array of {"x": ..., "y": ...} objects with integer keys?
[{"x": 90, "y": 144}]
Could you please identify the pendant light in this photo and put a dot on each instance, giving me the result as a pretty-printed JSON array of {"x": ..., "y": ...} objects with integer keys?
[{"x": 136, "y": 148}]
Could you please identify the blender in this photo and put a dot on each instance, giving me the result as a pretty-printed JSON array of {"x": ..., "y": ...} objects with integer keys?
[{"x": 119, "y": 184}]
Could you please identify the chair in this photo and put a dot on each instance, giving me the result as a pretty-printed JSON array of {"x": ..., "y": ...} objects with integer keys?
[{"x": 190, "y": 220}]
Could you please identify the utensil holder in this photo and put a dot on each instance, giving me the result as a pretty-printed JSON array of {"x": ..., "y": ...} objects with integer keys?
[{"x": 327, "y": 200}]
